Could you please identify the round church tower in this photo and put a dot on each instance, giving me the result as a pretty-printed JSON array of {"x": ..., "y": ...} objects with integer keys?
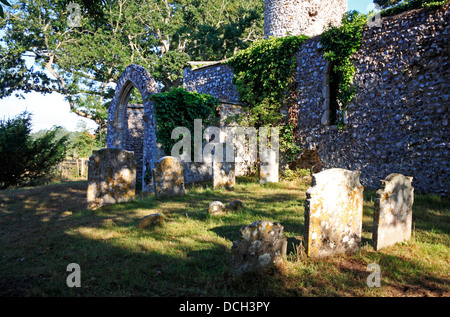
[{"x": 296, "y": 17}]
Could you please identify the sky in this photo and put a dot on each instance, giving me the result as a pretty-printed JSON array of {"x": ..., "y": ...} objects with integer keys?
[{"x": 52, "y": 110}]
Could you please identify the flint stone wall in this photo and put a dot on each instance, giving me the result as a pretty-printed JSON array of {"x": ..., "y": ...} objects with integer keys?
[
  {"x": 111, "y": 177},
  {"x": 215, "y": 79},
  {"x": 399, "y": 119},
  {"x": 333, "y": 213},
  {"x": 393, "y": 211},
  {"x": 296, "y": 17},
  {"x": 261, "y": 244},
  {"x": 135, "y": 136}
]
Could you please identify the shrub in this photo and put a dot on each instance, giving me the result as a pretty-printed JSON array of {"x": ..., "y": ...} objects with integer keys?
[{"x": 24, "y": 159}]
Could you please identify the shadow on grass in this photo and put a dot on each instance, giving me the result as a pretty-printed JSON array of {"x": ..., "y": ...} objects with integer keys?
[{"x": 40, "y": 236}]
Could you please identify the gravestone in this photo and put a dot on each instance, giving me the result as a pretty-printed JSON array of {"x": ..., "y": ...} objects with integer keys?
[
  {"x": 168, "y": 177},
  {"x": 333, "y": 213},
  {"x": 268, "y": 168},
  {"x": 261, "y": 244},
  {"x": 111, "y": 177},
  {"x": 217, "y": 207},
  {"x": 151, "y": 221},
  {"x": 393, "y": 211},
  {"x": 223, "y": 175}
]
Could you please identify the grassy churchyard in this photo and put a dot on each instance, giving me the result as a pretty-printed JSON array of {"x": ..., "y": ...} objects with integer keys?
[{"x": 44, "y": 229}]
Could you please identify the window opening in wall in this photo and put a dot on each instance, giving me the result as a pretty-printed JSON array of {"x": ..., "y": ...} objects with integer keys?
[{"x": 334, "y": 105}]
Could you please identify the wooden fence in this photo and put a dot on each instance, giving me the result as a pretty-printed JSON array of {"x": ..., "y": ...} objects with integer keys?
[{"x": 73, "y": 169}]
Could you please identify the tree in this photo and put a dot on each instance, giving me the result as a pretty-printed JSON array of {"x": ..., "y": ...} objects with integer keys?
[
  {"x": 84, "y": 63},
  {"x": 24, "y": 158},
  {"x": 2, "y": 15},
  {"x": 392, "y": 7}
]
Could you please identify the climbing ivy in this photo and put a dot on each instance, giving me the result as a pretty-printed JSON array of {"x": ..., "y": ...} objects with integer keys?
[
  {"x": 393, "y": 7},
  {"x": 339, "y": 44},
  {"x": 263, "y": 74},
  {"x": 178, "y": 108}
]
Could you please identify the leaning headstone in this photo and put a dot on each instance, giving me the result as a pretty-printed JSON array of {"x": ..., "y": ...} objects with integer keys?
[
  {"x": 261, "y": 244},
  {"x": 168, "y": 177},
  {"x": 333, "y": 213},
  {"x": 392, "y": 219},
  {"x": 224, "y": 175},
  {"x": 111, "y": 177},
  {"x": 268, "y": 169},
  {"x": 151, "y": 221}
]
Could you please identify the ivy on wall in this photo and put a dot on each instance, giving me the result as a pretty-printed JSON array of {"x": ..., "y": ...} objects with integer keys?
[
  {"x": 339, "y": 44},
  {"x": 178, "y": 108},
  {"x": 263, "y": 74},
  {"x": 393, "y": 7}
]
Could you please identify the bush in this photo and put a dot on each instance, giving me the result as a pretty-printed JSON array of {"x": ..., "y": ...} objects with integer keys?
[{"x": 24, "y": 159}]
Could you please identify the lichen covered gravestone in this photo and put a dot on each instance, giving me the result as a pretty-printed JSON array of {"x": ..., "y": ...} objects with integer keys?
[
  {"x": 168, "y": 177},
  {"x": 261, "y": 244},
  {"x": 151, "y": 221},
  {"x": 224, "y": 175},
  {"x": 393, "y": 211},
  {"x": 217, "y": 207},
  {"x": 111, "y": 177},
  {"x": 333, "y": 213}
]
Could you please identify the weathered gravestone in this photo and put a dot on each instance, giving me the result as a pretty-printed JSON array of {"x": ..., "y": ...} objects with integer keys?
[
  {"x": 268, "y": 169},
  {"x": 111, "y": 177},
  {"x": 217, "y": 208},
  {"x": 261, "y": 244},
  {"x": 223, "y": 172},
  {"x": 392, "y": 219},
  {"x": 224, "y": 175},
  {"x": 168, "y": 177},
  {"x": 333, "y": 213},
  {"x": 150, "y": 221}
]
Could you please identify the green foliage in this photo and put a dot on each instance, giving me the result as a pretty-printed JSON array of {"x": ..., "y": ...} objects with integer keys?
[
  {"x": 83, "y": 63},
  {"x": 294, "y": 175},
  {"x": 179, "y": 108},
  {"x": 338, "y": 45},
  {"x": 393, "y": 7},
  {"x": 263, "y": 74},
  {"x": 24, "y": 158},
  {"x": 239, "y": 24}
]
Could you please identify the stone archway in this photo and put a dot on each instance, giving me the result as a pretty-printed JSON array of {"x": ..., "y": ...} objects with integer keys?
[{"x": 134, "y": 76}]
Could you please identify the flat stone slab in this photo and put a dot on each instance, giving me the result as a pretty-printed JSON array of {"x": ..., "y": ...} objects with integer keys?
[
  {"x": 333, "y": 213},
  {"x": 393, "y": 211}
]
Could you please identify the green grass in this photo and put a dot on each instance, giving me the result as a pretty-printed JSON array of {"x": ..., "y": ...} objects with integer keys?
[{"x": 43, "y": 229}]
